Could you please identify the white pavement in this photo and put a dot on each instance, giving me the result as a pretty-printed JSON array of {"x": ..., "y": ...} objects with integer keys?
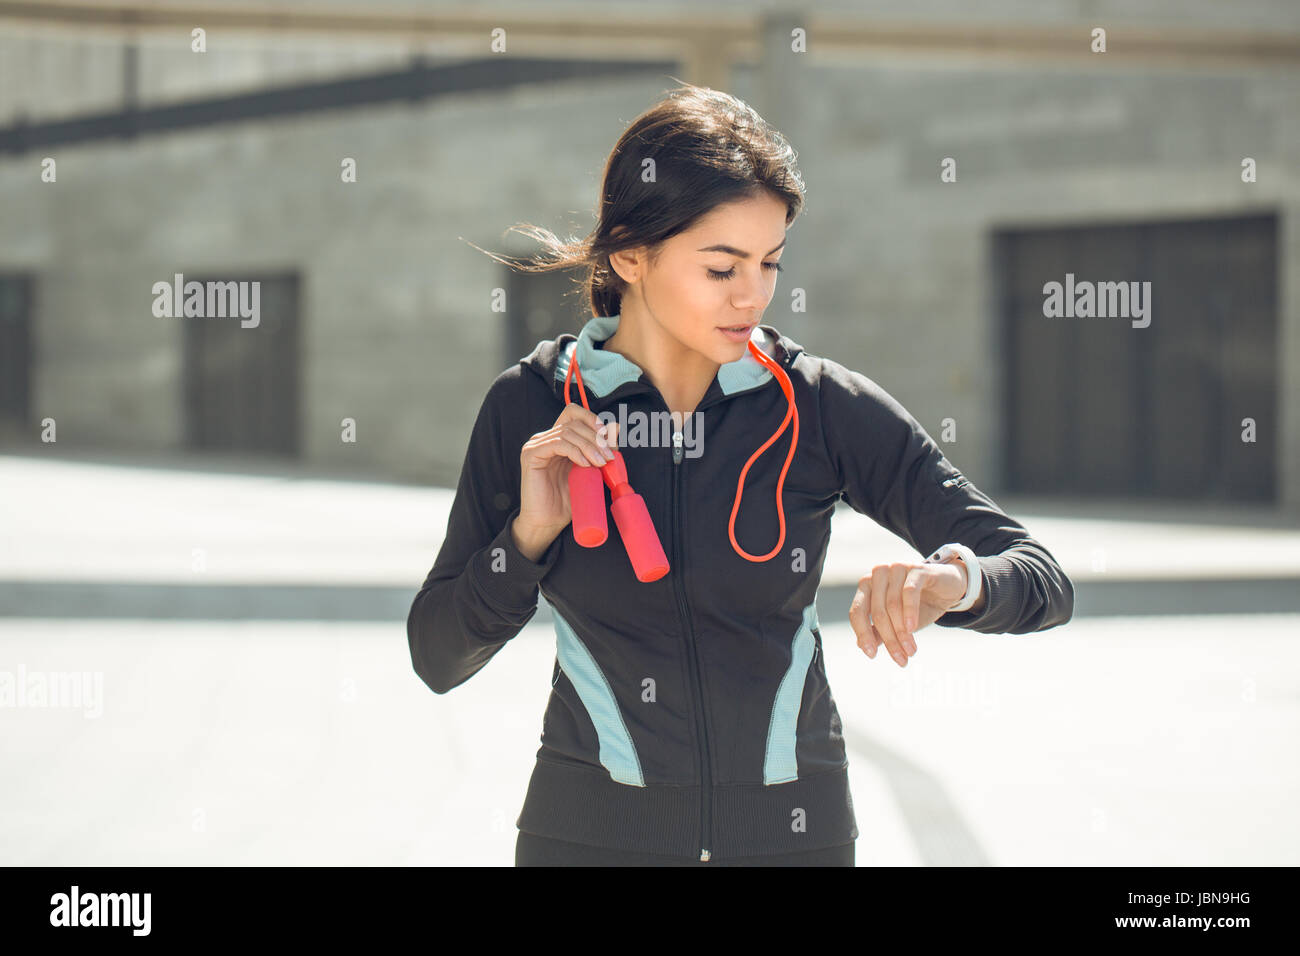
[
  {"x": 1166, "y": 742},
  {"x": 64, "y": 519},
  {"x": 1121, "y": 740}
]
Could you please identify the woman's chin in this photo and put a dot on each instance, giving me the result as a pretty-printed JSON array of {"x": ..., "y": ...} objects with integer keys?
[{"x": 723, "y": 350}]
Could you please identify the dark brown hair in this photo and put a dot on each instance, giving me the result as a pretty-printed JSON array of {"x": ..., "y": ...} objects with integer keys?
[{"x": 708, "y": 147}]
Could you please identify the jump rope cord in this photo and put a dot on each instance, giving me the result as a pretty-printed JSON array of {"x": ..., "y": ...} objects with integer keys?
[{"x": 575, "y": 373}]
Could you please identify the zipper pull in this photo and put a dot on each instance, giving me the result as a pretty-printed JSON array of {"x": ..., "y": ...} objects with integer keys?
[
  {"x": 704, "y": 856},
  {"x": 677, "y": 460}
]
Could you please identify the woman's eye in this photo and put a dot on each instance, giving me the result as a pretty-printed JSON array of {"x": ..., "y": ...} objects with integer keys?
[{"x": 720, "y": 276}]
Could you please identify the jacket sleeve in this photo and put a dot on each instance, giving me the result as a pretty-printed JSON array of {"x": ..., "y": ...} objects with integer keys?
[
  {"x": 891, "y": 470},
  {"x": 481, "y": 590}
]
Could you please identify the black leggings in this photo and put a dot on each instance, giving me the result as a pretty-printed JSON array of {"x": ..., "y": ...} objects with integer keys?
[{"x": 533, "y": 850}]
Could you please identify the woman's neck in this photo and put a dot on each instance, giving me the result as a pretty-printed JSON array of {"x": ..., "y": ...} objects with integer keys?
[{"x": 681, "y": 375}]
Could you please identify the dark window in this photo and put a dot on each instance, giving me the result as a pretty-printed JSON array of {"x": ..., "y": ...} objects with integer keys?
[
  {"x": 15, "y": 357},
  {"x": 541, "y": 305},
  {"x": 1096, "y": 407},
  {"x": 242, "y": 384}
]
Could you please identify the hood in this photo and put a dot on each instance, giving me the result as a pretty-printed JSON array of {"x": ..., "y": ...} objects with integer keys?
[{"x": 608, "y": 375}]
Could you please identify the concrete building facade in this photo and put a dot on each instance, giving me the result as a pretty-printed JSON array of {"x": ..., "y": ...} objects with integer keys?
[{"x": 925, "y": 285}]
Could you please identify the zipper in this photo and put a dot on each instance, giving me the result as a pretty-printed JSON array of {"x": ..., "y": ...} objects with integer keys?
[{"x": 678, "y": 578}]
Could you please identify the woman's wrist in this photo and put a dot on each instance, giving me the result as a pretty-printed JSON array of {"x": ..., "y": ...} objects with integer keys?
[
  {"x": 981, "y": 600},
  {"x": 531, "y": 542},
  {"x": 970, "y": 575}
]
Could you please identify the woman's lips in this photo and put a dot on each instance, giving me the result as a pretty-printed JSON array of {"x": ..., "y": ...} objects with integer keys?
[{"x": 740, "y": 336}]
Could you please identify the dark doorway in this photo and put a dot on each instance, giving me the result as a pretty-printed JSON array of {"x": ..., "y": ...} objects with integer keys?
[
  {"x": 541, "y": 305},
  {"x": 242, "y": 384},
  {"x": 15, "y": 358},
  {"x": 1096, "y": 407}
]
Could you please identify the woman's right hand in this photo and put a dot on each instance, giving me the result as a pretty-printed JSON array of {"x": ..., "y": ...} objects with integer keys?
[{"x": 578, "y": 437}]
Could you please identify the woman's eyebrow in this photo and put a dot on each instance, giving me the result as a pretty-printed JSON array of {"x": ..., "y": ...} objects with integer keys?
[{"x": 732, "y": 250}]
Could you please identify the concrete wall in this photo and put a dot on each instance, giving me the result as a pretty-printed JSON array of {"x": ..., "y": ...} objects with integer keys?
[
  {"x": 397, "y": 327},
  {"x": 398, "y": 330},
  {"x": 896, "y": 261}
]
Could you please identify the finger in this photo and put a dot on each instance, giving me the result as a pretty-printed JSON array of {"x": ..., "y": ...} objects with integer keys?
[
  {"x": 574, "y": 411},
  {"x": 558, "y": 446},
  {"x": 909, "y": 605},
  {"x": 588, "y": 439},
  {"x": 588, "y": 425},
  {"x": 894, "y": 606},
  {"x": 859, "y": 619},
  {"x": 880, "y": 614},
  {"x": 912, "y": 588}
]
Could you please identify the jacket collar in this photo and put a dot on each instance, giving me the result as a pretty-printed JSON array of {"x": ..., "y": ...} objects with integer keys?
[{"x": 604, "y": 373}]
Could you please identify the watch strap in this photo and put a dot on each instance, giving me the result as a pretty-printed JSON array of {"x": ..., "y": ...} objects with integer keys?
[{"x": 974, "y": 572}]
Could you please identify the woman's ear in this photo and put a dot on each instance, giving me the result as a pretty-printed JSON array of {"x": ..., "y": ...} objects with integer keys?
[{"x": 629, "y": 264}]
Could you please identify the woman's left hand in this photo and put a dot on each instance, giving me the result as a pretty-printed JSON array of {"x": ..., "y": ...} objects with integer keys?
[{"x": 896, "y": 600}]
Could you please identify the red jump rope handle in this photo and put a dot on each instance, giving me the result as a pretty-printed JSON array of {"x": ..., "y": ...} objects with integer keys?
[
  {"x": 639, "y": 537},
  {"x": 587, "y": 503},
  {"x": 587, "y": 507},
  {"x": 634, "y": 525}
]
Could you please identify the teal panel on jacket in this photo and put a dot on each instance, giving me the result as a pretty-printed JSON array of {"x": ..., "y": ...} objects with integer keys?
[
  {"x": 780, "y": 765},
  {"x": 617, "y": 752}
]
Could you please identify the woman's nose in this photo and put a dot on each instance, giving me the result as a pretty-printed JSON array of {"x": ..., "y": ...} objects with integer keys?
[{"x": 751, "y": 293}]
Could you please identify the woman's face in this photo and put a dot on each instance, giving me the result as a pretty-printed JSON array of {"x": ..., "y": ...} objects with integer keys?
[{"x": 720, "y": 272}]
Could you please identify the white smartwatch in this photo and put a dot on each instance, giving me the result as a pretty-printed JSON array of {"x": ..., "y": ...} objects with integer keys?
[{"x": 974, "y": 573}]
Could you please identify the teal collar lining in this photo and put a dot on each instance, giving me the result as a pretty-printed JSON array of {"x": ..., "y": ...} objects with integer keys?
[{"x": 602, "y": 371}]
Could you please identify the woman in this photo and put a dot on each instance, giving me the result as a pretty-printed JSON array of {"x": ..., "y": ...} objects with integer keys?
[{"x": 690, "y": 720}]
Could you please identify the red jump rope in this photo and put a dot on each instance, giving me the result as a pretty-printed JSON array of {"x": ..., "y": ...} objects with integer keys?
[{"x": 587, "y": 491}]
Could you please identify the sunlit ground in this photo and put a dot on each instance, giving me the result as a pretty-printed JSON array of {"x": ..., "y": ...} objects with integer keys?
[
  {"x": 1128, "y": 741},
  {"x": 209, "y": 738}
]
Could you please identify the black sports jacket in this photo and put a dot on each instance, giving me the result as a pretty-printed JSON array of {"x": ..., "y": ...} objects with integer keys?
[{"x": 691, "y": 715}]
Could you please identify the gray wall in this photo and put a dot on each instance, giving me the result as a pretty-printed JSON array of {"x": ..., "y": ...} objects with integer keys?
[{"x": 397, "y": 326}]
